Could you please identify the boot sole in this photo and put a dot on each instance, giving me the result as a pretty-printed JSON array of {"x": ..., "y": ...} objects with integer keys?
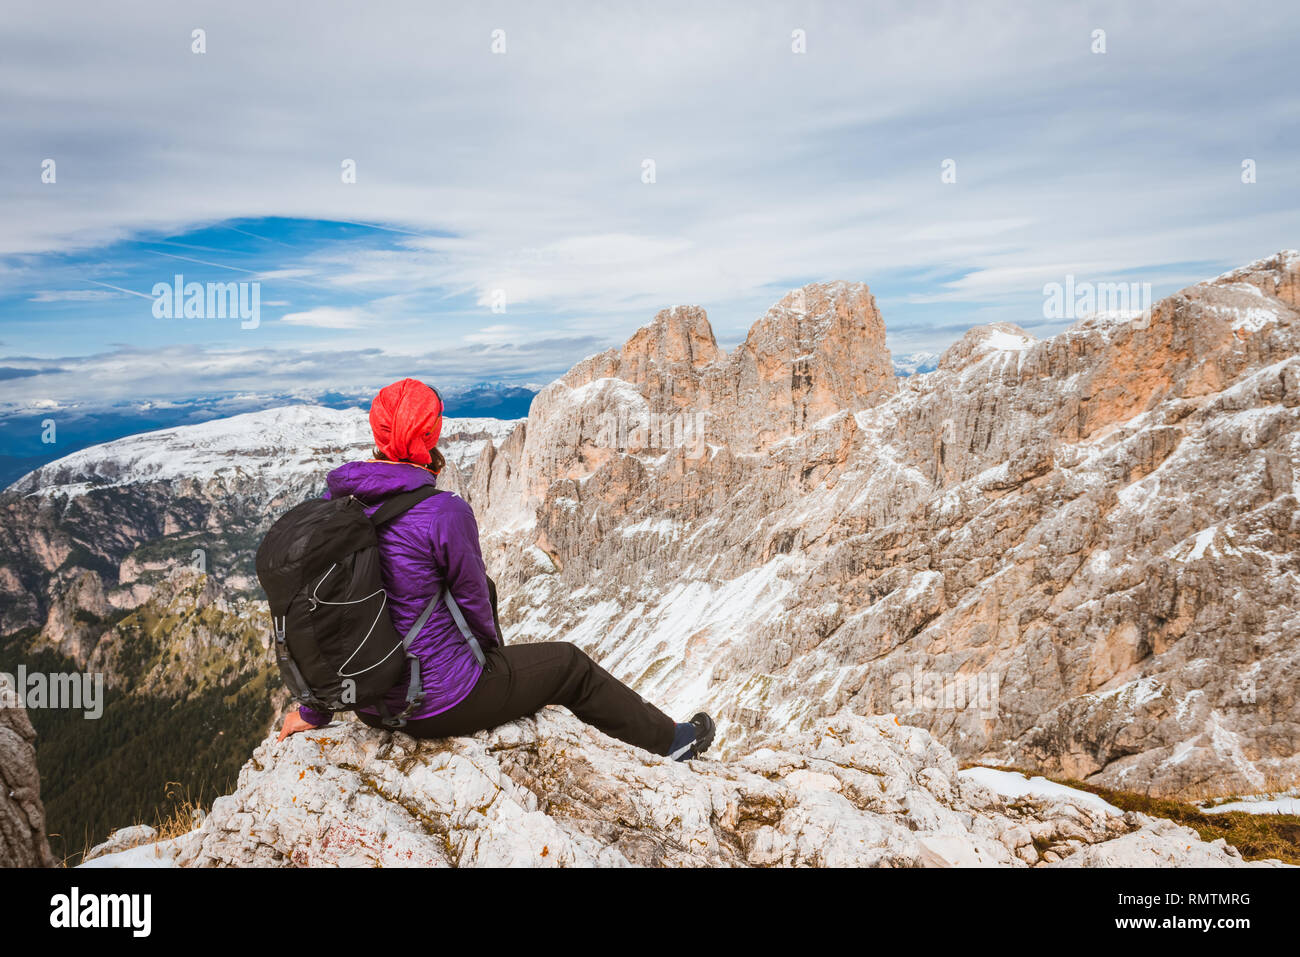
[{"x": 705, "y": 741}]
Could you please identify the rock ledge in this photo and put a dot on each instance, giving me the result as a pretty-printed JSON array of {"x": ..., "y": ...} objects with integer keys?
[{"x": 549, "y": 791}]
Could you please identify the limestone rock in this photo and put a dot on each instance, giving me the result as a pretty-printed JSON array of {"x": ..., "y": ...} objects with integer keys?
[
  {"x": 550, "y": 791},
  {"x": 123, "y": 839},
  {"x": 22, "y": 818}
]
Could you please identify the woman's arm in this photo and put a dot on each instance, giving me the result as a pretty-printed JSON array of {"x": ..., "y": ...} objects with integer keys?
[
  {"x": 496, "y": 618},
  {"x": 313, "y": 717},
  {"x": 456, "y": 550}
]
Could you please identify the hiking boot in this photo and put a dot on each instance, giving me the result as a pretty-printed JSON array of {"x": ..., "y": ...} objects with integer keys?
[{"x": 693, "y": 738}]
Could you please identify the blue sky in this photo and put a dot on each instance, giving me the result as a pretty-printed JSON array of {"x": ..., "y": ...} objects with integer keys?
[{"x": 522, "y": 172}]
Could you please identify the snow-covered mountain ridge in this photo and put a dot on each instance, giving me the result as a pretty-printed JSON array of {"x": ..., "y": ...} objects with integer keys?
[{"x": 289, "y": 442}]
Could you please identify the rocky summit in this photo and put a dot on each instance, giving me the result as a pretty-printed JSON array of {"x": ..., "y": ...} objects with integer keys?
[{"x": 852, "y": 791}]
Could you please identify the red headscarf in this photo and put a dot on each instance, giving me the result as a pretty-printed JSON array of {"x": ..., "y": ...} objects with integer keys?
[{"x": 406, "y": 419}]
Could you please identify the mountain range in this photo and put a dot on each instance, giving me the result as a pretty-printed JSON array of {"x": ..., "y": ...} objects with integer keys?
[{"x": 1075, "y": 554}]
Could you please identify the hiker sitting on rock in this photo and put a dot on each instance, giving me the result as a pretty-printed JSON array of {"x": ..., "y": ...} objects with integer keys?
[{"x": 432, "y": 572}]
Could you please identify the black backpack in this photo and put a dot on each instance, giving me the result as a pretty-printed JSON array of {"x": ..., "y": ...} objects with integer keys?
[{"x": 334, "y": 639}]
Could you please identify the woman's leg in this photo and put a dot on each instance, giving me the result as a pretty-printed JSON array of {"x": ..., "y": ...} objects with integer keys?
[{"x": 523, "y": 679}]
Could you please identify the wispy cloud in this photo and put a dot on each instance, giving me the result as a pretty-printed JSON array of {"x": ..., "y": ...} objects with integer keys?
[
  {"x": 159, "y": 374},
  {"x": 327, "y": 317},
  {"x": 76, "y": 295}
]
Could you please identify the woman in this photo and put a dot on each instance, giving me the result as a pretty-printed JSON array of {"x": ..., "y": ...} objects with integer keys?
[{"x": 436, "y": 543}]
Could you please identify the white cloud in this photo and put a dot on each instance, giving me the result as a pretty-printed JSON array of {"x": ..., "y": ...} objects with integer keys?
[
  {"x": 173, "y": 371},
  {"x": 74, "y": 295},
  {"x": 327, "y": 317},
  {"x": 494, "y": 335}
]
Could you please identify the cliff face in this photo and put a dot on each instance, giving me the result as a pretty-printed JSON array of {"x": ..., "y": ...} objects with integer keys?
[
  {"x": 22, "y": 818},
  {"x": 1078, "y": 554}
]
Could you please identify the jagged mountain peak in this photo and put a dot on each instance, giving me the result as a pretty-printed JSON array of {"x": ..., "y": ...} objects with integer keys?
[
  {"x": 817, "y": 318},
  {"x": 817, "y": 302},
  {"x": 980, "y": 341},
  {"x": 680, "y": 334},
  {"x": 677, "y": 343}
]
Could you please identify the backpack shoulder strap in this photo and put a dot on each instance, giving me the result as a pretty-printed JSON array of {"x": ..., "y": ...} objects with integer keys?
[
  {"x": 392, "y": 508},
  {"x": 398, "y": 504},
  {"x": 475, "y": 648}
]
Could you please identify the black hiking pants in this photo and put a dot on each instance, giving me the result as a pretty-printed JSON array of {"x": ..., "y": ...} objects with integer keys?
[{"x": 520, "y": 680}]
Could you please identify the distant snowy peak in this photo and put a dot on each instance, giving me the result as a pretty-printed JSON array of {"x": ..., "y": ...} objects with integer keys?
[
  {"x": 280, "y": 444},
  {"x": 463, "y": 439},
  {"x": 464, "y": 429},
  {"x": 916, "y": 363}
]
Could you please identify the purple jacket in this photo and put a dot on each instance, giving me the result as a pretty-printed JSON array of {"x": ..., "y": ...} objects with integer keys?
[{"x": 435, "y": 542}]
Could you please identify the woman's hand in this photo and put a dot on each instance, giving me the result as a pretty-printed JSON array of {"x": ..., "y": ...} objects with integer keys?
[{"x": 293, "y": 723}]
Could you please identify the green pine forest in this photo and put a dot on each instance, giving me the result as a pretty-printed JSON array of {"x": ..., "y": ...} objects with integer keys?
[{"x": 145, "y": 757}]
